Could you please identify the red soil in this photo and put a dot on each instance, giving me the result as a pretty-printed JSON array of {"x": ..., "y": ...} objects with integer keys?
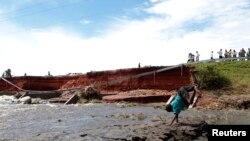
[
  {"x": 167, "y": 80},
  {"x": 141, "y": 96}
]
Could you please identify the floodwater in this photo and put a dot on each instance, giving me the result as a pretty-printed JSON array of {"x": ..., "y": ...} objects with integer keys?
[{"x": 95, "y": 121}]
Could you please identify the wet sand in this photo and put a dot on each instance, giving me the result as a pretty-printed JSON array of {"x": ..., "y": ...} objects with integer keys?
[{"x": 108, "y": 122}]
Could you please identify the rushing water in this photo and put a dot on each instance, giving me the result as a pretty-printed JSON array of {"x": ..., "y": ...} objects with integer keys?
[{"x": 64, "y": 122}]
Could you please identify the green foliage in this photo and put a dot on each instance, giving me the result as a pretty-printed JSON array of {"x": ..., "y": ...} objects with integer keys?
[
  {"x": 219, "y": 75},
  {"x": 210, "y": 78},
  {"x": 7, "y": 73}
]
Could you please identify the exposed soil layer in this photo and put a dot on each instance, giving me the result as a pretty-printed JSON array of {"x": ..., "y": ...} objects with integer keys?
[
  {"x": 140, "y": 96},
  {"x": 125, "y": 83},
  {"x": 167, "y": 80},
  {"x": 36, "y": 83},
  {"x": 225, "y": 99}
]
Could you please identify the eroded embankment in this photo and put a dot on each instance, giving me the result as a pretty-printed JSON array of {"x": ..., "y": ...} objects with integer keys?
[
  {"x": 105, "y": 80},
  {"x": 117, "y": 81}
]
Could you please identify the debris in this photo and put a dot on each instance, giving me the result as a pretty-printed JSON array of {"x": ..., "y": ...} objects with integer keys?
[{"x": 25, "y": 100}]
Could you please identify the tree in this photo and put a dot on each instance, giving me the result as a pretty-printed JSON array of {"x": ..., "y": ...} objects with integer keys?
[{"x": 7, "y": 73}]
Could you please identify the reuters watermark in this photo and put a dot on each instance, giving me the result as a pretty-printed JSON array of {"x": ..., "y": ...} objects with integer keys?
[{"x": 241, "y": 132}]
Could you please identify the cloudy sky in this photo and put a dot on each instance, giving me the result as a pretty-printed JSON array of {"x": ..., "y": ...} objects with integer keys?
[{"x": 68, "y": 36}]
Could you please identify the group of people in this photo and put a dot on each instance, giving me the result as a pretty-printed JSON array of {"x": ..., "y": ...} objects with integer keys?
[
  {"x": 233, "y": 54},
  {"x": 193, "y": 58},
  {"x": 227, "y": 54}
]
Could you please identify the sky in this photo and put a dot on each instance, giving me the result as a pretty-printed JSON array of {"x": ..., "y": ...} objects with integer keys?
[{"x": 78, "y": 36}]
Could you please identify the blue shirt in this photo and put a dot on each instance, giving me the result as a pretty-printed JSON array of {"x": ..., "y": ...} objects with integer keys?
[{"x": 177, "y": 105}]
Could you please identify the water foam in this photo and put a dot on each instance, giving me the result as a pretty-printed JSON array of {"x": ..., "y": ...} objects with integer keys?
[{"x": 7, "y": 100}]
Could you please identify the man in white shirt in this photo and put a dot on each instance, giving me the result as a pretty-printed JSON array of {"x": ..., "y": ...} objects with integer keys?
[
  {"x": 220, "y": 53},
  {"x": 212, "y": 55},
  {"x": 197, "y": 56}
]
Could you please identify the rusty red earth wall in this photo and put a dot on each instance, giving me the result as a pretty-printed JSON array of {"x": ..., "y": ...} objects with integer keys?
[
  {"x": 35, "y": 83},
  {"x": 167, "y": 80}
]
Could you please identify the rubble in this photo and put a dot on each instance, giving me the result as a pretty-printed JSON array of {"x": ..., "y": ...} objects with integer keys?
[{"x": 25, "y": 100}]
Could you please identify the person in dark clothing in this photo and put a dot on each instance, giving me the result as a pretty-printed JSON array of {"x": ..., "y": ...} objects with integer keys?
[
  {"x": 182, "y": 100},
  {"x": 248, "y": 54}
]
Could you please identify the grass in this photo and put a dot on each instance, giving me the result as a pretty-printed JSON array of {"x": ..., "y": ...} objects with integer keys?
[{"x": 224, "y": 74}]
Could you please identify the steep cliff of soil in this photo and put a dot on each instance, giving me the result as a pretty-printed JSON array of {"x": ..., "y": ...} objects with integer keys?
[{"x": 105, "y": 80}]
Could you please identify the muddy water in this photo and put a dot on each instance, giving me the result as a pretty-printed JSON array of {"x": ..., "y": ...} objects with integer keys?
[{"x": 97, "y": 121}]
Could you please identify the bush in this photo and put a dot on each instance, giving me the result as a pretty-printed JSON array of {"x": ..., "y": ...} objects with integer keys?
[
  {"x": 7, "y": 74},
  {"x": 210, "y": 78},
  {"x": 89, "y": 93}
]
